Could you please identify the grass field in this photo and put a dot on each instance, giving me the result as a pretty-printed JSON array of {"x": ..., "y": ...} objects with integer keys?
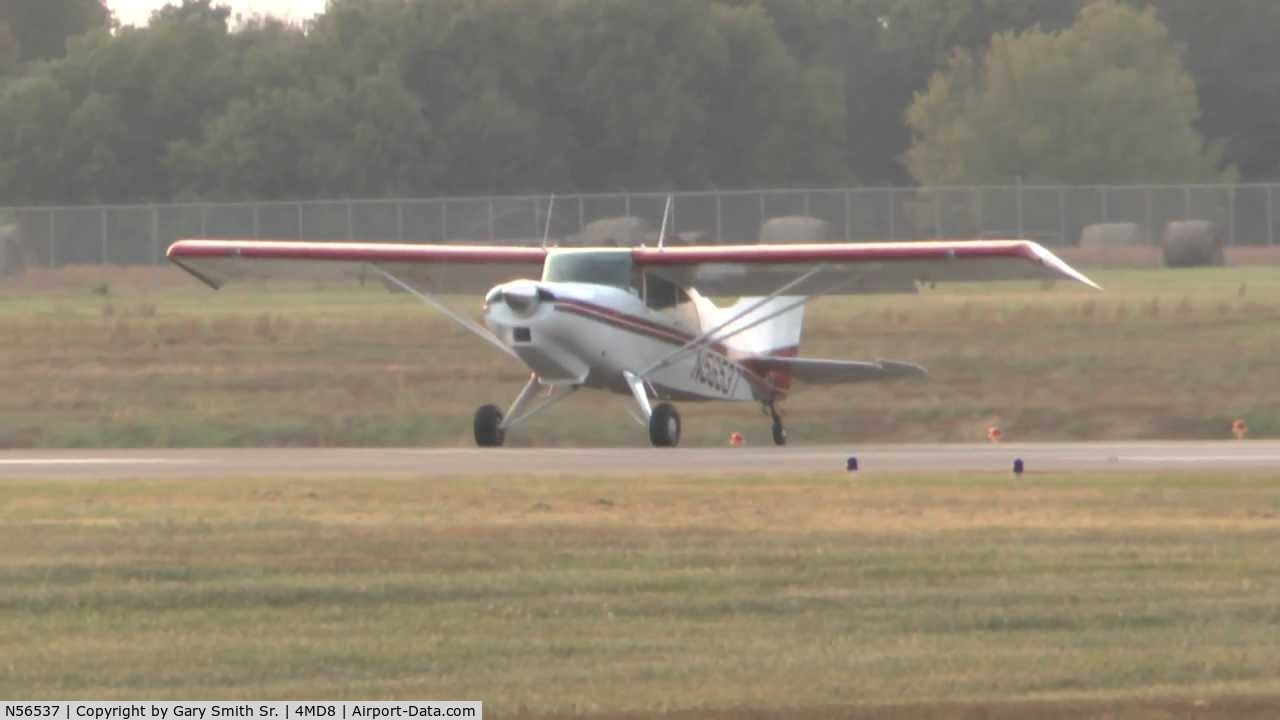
[
  {"x": 101, "y": 357},
  {"x": 1153, "y": 596}
]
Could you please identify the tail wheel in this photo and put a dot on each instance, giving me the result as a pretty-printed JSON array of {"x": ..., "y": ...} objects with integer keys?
[
  {"x": 664, "y": 426},
  {"x": 488, "y": 421}
]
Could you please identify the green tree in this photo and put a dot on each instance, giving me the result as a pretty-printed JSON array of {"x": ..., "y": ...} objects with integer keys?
[
  {"x": 1230, "y": 50},
  {"x": 42, "y": 27},
  {"x": 873, "y": 55},
  {"x": 772, "y": 119},
  {"x": 33, "y": 113},
  {"x": 329, "y": 139},
  {"x": 1106, "y": 100}
]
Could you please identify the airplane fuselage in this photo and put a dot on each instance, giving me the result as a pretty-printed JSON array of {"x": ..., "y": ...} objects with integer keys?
[{"x": 585, "y": 334}]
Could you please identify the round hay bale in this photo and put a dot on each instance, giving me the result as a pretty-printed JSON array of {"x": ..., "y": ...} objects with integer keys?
[
  {"x": 796, "y": 229},
  {"x": 626, "y": 231},
  {"x": 1104, "y": 236},
  {"x": 1193, "y": 243}
]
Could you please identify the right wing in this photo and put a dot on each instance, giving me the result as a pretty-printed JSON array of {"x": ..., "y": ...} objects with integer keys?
[
  {"x": 428, "y": 268},
  {"x": 851, "y": 268}
]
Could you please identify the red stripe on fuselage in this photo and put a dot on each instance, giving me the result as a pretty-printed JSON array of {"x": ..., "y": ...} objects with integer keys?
[{"x": 777, "y": 381}]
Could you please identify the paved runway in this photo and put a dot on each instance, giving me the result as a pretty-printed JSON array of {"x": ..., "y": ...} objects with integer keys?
[{"x": 1257, "y": 456}]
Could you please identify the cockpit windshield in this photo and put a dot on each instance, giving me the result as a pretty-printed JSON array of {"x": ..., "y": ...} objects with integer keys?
[{"x": 602, "y": 267}]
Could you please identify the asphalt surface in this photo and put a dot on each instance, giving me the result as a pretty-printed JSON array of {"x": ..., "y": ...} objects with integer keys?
[{"x": 1253, "y": 456}]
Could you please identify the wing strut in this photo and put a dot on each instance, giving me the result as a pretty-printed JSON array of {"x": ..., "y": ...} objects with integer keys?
[
  {"x": 707, "y": 336},
  {"x": 467, "y": 323}
]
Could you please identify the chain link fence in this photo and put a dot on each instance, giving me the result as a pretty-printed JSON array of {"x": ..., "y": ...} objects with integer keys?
[{"x": 1053, "y": 215}]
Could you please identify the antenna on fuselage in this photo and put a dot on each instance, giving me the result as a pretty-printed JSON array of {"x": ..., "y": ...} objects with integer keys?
[
  {"x": 666, "y": 214},
  {"x": 546, "y": 233}
]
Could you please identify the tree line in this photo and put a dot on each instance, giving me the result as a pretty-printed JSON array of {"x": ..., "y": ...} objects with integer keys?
[{"x": 443, "y": 97}]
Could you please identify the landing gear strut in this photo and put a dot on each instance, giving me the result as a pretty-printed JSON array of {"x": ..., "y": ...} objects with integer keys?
[
  {"x": 662, "y": 419},
  {"x": 779, "y": 432},
  {"x": 491, "y": 426}
]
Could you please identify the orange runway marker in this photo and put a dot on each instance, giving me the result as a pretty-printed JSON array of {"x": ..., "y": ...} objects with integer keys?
[{"x": 1239, "y": 429}]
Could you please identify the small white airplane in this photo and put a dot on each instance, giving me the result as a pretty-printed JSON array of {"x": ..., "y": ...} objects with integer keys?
[{"x": 637, "y": 321}]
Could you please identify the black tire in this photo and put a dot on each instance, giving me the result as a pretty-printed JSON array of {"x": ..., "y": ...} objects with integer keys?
[
  {"x": 487, "y": 426},
  {"x": 779, "y": 434},
  {"x": 664, "y": 426}
]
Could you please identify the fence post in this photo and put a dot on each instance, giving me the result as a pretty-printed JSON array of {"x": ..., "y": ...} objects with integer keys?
[
  {"x": 937, "y": 214},
  {"x": 301, "y": 234},
  {"x": 979, "y": 222},
  {"x": 719, "y": 221},
  {"x": 444, "y": 220},
  {"x": 493, "y": 232},
  {"x": 105, "y": 230},
  {"x": 155, "y": 234},
  {"x": 1102, "y": 198},
  {"x": 204, "y": 222},
  {"x": 257, "y": 220},
  {"x": 1151, "y": 219},
  {"x": 806, "y": 202},
  {"x": 351, "y": 223},
  {"x": 1022, "y": 231},
  {"x": 400, "y": 221},
  {"x": 53, "y": 237},
  {"x": 1271, "y": 229},
  {"x": 1231, "y": 215},
  {"x": 762, "y": 211},
  {"x": 893, "y": 215},
  {"x": 626, "y": 204},
  {"x": 582, "y": 212},
  {"x": 1062, "y": 216},
  {"x": 848, "y": 218}
]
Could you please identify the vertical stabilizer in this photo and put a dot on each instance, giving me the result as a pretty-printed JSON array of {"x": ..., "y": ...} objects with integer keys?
[{"x": 779, "y": 335}]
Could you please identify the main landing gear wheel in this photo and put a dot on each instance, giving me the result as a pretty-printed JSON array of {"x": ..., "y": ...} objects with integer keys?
[
  {"x": 664, "y": 426},
  {"x": 488, "y": 421},
  {"x": 779, "y": 432}
]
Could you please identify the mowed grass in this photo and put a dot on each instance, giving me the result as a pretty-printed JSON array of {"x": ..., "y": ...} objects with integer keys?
[
  {"x": 101, "y": 358},
  {"x": 945, "y": 595}
]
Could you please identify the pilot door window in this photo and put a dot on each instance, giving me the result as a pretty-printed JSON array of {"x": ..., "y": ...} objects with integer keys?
[{"x": 666, "y": 297}]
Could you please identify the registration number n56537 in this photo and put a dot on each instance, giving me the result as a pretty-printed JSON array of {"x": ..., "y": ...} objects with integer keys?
[{"x": 716, "y": 372}]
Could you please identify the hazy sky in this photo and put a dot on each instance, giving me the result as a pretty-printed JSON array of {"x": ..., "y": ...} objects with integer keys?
[{"x": 136, "y": 12}]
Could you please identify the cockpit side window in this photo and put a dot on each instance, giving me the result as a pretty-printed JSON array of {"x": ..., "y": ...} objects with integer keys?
[
  {"x": 661, "y": 293},
  {"x": 665, "y": 296}
]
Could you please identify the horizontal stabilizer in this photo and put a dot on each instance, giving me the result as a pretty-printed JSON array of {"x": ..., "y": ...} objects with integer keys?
[{"x": 836, "y": 372}]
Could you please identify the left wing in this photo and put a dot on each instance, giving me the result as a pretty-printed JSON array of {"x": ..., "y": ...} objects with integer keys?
[
  {"x": 428, "y": 268},
  {"x": 851, "y": 268}
]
